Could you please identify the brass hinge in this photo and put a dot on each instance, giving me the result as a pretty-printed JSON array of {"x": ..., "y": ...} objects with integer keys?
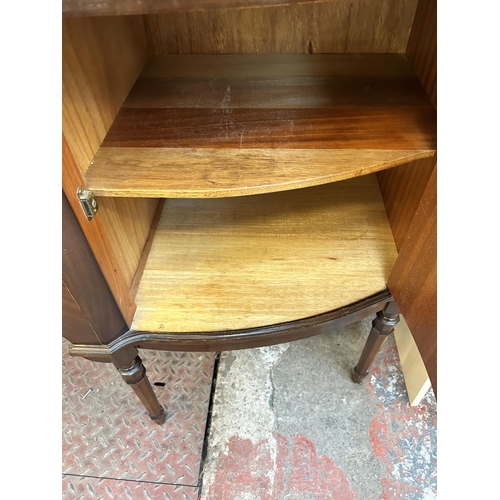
[{"x": 88, "y": 202}]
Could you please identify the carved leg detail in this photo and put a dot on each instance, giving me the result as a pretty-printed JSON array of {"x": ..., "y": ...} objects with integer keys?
[
  {"x": 134, "y": 373},
  {"x": 382, "y": 327}
]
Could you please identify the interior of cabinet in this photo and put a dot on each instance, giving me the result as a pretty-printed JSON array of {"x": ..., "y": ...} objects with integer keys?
[
  {"x": 251, "y": 261},
  {"x": 230, "y": 104}
]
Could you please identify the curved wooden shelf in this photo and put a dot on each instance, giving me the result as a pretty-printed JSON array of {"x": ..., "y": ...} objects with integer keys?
[
  {"x": 219, "y": 126},
  {"x": 249, "y": 262}
]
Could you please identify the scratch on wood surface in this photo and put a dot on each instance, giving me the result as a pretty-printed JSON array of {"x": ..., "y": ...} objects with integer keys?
[
  {"x": 226, "y": 101},
  {"x": 360, "y": 236}
]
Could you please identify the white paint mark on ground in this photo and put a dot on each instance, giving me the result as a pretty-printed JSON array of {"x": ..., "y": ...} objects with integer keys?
[{"x": 244, "y": 391}]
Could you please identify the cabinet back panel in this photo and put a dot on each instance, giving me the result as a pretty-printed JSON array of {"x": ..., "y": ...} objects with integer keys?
[
  {"x": 102, "y": 58},
  {"x": 343, "y": 26}
]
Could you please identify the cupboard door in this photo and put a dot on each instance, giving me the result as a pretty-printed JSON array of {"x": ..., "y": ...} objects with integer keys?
[
  {"x": 95, "y": 235},
  {"x": 413, "y": 280},
  {"x": 87, "y": 288}
]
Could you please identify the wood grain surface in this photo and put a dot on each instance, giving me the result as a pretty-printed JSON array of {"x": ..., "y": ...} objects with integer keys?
[
  {"x": 422, "y": 47},
  {"x": 96, "y": 236},
  {"x": 211, "y": 126},
  {"x": 251, "y": 261},
  {"x": 403, "y": 187},
  {"x": 314, "y": 128},
  {"x": 342, "y": 26},
  {"x": 102, "y": 58},
  {"x": 277, "y": 80},
  {"x": 217, "y": 173},
  {"x": 75, "y": 326},
  {"x": 87, "y": 286},
  {"x": 240, "y": 339},
  {"x": 389, "y": 67},
  {"x": 128, "y": 7},
  {"x": 413, "y": 281},
  {"x": 147, "y": 247},
  {"x": 127, "y": 223}
]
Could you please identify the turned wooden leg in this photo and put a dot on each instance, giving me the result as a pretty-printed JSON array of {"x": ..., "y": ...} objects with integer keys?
[
  {"x": 382, "y": 327},
  {"x": 132, "y": 370}
]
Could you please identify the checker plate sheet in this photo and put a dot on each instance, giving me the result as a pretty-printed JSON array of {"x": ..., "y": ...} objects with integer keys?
[{"x": 108, "y": 434}]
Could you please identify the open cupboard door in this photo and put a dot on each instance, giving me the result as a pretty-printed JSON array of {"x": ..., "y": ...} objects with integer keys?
[{"x": 413, "y": 281}]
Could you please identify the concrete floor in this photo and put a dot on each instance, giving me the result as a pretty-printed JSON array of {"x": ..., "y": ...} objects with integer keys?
[{"x": 286, "y": 423}]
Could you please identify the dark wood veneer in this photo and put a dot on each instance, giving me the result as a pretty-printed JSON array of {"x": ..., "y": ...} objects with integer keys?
[
  {"x": 413, "y": 281},
  {"x": 93, "y": 313},
  {"x": 239, "y": 339},
  {"x": 95, "y": 235},
  {"x": 85, "y": 282},
  {"x": 360, "y": 118},
  {"x": 382, "y": 326},
  {"x": 333, "y": 128},
  {"x": 75, "y": 326}
]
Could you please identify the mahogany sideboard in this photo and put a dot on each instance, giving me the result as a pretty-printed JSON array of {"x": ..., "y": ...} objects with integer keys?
[{"x": 244, "y": 173}]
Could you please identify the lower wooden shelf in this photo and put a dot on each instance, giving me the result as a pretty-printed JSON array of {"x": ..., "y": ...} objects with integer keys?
[{"x": 247, "y": 262}]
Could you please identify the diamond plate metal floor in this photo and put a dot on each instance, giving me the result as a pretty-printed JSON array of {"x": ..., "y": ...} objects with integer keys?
[
  {"x": 111, "y": 449},
  {"x": 287, "y": 424}
]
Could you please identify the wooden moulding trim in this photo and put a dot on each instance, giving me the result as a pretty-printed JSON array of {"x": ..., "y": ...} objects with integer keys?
[{"x": 239, "y": 339}]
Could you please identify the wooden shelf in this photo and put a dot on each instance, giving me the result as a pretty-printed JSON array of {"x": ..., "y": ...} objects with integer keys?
[
  {"x": 218, "y": 126},
  {"x": 245, "y": 262}
]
